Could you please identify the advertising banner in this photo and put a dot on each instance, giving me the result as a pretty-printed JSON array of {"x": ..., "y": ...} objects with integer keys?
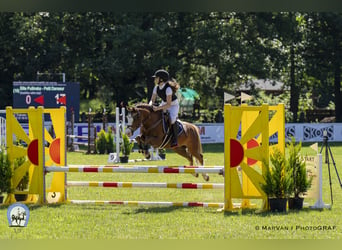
[{"x": 214, "y": 132}]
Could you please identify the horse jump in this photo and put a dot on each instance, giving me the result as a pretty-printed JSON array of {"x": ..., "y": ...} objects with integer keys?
[
  {"x": 255, "y": 123},
  {"x": 141, "y": 169}
]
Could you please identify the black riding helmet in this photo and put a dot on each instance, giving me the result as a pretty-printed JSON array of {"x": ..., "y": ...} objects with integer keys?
[{"x": 163, "y": 74}]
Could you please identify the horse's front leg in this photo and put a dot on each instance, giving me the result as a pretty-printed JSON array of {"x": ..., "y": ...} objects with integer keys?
[
  {"x": 143, "y": 146},
  {"x": 154, "y": 141},
  {"x": 139, "y": 139}
]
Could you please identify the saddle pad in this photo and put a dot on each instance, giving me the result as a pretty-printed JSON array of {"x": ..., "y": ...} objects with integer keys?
[
  {"x": 168, "y": 134},
  {"x": 166, "y": 126}
]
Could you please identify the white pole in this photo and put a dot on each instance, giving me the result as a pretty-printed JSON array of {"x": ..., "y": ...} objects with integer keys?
[
  {"x": 117, "y": 128},
  {"x": 319, "y": 203},
  {"x": 2, "y": 131},
  {"x": 123, "y": 125}
]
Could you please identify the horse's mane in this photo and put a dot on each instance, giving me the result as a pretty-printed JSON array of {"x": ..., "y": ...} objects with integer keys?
[{"x": 144, "y": 106}]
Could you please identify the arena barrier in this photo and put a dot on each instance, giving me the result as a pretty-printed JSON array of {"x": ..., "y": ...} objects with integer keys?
[
  {"x": 246, "y": 147},
  {"x": 73, "y": 145}
]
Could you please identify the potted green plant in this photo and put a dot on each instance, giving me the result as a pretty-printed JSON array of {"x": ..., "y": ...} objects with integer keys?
[
  {"x": 126, "y": 148},
  {"x": 277, "y": 182},
  {"x": 5, "y": 174},
  {"x": 23, "y": 184},
  {"x": 300, "y": 180}
]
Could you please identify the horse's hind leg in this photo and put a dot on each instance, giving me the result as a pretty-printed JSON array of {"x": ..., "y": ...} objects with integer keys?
[
  {"x": 199, "y": 159},
  {"x": 184, "y": 152}
]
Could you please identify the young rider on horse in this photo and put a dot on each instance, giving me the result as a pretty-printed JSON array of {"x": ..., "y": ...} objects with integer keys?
[{"x": 164, "y": 89}]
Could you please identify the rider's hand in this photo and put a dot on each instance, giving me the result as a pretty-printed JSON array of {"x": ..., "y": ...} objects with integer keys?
[{"x": 155, "y": 108}]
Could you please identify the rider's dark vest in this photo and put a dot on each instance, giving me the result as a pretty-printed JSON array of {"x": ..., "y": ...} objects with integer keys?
[{"x": 162, "y": 92}]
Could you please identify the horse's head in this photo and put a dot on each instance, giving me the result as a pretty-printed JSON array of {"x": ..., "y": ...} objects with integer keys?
[
  {"x": 135, "y": 115},
  {"x": 139, "y": 113}
]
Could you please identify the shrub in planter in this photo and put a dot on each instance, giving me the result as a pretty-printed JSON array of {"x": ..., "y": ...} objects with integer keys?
[
  {"x": 105, "y": 142},
  {"x": 23, "y": 184},
  {"x": 126, "y": 148},
  {"x": 300, "y": 181},
  {"x": 101, "y": 142},
  {"x": 5, "y": 174},
  {"x": 109, "y": 141},
  {"x": 277, "y": 182}
]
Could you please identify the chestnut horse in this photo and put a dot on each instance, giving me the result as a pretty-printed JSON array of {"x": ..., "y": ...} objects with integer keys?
[{"x": 153, "y": 131}]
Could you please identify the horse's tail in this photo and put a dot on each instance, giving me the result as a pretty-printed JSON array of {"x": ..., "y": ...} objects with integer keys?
[
  {"x": 201, "y": 160},
  {"x": 194, "y": 132},
  {"x": 199, "y": 139},
  {"x": 196, "y": 138}
]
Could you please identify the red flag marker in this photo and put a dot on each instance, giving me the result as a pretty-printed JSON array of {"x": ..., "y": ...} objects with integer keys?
[
  {"x": 40, "y": 100},
  {"x": 62, "y": 100}
]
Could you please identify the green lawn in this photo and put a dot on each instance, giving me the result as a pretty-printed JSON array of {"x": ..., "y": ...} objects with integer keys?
[{"x": 68, "y": 221}]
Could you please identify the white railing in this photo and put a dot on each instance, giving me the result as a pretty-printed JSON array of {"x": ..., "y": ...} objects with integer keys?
[{"x": 2, "y": 130}]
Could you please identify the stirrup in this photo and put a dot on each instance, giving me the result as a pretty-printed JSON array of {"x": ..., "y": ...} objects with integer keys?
[{"x": 174, "y": 144}]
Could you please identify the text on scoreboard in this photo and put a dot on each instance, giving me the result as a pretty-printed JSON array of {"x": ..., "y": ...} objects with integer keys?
[{"x": 48, "y": 95}]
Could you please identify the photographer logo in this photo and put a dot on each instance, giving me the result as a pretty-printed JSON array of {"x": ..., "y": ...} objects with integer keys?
[{"x": 18, "y": 215}]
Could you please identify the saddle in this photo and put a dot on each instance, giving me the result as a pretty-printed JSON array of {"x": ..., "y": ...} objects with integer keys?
[{"x": 167, "y": 128}]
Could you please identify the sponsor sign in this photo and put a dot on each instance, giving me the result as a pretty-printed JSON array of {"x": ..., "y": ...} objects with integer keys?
[{"x": 214, "y": 132}]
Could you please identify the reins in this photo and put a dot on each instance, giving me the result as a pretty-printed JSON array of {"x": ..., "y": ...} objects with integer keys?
[
  {"x": 142, "y": 122},
  {"x": 153, "y": 126},
  {"x": 148, "y": 129}
]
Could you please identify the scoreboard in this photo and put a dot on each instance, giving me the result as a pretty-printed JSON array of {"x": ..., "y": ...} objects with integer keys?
[{"x": 48, "y": 95}]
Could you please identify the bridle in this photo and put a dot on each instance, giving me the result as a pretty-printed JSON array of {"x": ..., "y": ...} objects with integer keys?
[{"x": 142, "y": 122}]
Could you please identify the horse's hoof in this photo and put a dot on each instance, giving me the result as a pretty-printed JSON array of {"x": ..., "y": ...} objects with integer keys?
[
  {"x": 206, "y": 178},
  {"x": 195, "y": 174}
]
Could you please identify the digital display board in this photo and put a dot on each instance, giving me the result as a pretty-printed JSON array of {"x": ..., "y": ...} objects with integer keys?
[{"x": 48, "y": 95}]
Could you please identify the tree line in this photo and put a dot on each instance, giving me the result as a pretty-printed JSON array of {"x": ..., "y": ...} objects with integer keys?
[{"x": 113, "y": 55}]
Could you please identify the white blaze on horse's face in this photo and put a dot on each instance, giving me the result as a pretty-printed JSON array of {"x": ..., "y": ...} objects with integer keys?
[{"x": 129, "y": 119}]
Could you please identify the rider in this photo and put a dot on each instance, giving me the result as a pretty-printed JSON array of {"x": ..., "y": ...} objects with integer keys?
[{"x": 165, "y": 89}]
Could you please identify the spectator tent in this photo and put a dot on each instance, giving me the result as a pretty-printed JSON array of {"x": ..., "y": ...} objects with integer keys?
[{"x": 187, "y": 98}]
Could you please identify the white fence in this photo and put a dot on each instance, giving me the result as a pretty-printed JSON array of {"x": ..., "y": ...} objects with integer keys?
[{"x": 2, "y": 131}]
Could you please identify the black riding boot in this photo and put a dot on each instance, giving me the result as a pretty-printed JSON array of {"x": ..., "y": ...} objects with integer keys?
[{"x": 174, "y": 142}]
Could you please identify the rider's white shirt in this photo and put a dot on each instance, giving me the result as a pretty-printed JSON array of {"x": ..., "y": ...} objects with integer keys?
[
  {"x": 174, "y": 109},
  {"x": 168, "y": 91}
]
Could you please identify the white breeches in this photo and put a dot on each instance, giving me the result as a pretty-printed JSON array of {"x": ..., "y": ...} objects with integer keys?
[{"x": 173, "y": 110}]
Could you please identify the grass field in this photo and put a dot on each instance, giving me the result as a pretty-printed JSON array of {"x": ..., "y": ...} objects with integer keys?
[{"x": 66, "y": 221}]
